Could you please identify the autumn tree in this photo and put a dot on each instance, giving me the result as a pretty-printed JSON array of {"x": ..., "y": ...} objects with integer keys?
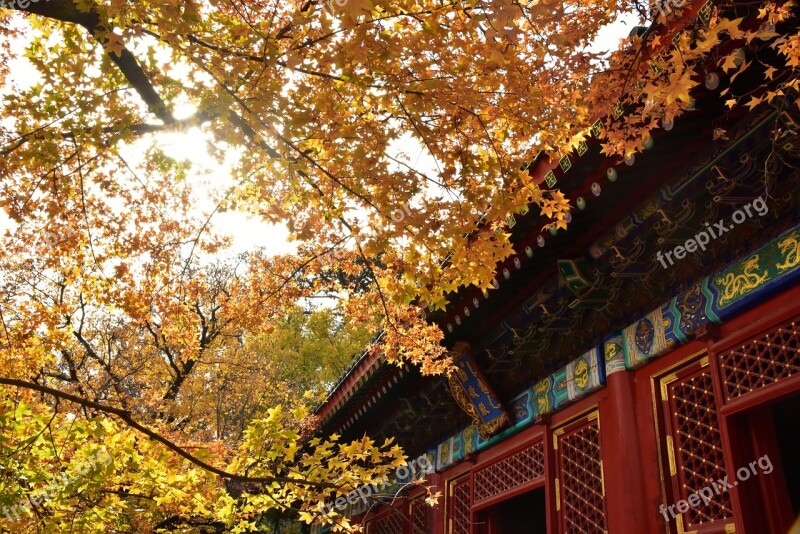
[
  {"x": 313, "y": 348},
  {"x": 120, "y": 336}
]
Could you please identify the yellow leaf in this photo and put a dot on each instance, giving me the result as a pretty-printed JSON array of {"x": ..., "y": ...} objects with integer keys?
[
  {"x": 356, "y": 8},
  {"x": 732, "y": 27},
  {"x": 114, "y": 45},
  {"x": 678, "y": 90},
  {"x": 730, "y": 62},
  {"x": 754, "y": 102}
]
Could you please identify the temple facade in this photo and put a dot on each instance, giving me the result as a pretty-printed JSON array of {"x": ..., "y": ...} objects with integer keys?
[{"x": 638, "y": 373}]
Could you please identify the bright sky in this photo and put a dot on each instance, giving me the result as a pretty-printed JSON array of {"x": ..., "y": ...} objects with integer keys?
[{"x": 212, "y": 177}]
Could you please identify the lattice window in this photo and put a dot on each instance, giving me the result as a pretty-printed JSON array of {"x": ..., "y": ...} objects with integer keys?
[
  {"x": 580, "y": 492},
  {"x": 694, "y": 443},
  {"x": 761, "y": 362},
  {"x": 459, "y": 506},
  {"x": 420, "y": 517},
  {"x": 391, "y": 523},
  {"x": 521, "y": 468}
]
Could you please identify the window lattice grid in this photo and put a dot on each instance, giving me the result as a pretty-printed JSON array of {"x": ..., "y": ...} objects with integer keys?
[
  {"x": 581, "y": 479},
  {"x": 698, "y": 445},
  {"x": 762, "y": 362},
  {"x": 420, "y": 518},
  {"x": 392, "y": 523},
  {"x": 525, "y": 466},
  {"x": 461, "y": 506}
]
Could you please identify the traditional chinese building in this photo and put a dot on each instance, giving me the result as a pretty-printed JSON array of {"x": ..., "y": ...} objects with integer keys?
[{"x": 628, "y": 375}]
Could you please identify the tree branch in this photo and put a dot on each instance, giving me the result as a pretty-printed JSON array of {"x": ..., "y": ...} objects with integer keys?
[
  {"x": 125, "y": 416},
  {"x": 68, "y": 11}
]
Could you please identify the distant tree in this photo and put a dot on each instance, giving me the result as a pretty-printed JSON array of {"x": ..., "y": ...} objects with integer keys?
[{"x": 312, "y": 349}]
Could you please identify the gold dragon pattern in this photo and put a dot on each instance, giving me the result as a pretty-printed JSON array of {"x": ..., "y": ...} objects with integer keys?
[
  {"x": 790, "y": 247},
  {"x": 735, "y": 285}
]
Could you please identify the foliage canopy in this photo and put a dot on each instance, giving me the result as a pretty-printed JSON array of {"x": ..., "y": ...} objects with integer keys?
[{"x": 118, "y": 336}]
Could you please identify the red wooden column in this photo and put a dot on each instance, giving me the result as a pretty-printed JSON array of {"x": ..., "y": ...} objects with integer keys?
[
  {"x": 438, "y": 484},
  {"x": 627, "y": 505}
]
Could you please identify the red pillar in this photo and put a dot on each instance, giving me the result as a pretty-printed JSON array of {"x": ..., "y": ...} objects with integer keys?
[
  {"x": 437, "y": 483},
  {"x": 629, "y": 507}
]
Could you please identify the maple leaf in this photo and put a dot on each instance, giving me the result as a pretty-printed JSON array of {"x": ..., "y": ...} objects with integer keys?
[
  {"x": 356, "y": 8},
  {"x": 655, "y": 42},
  {"x": 771, "y": 95},
  {"x": 549, "y": 209},
  {"x": 731, "y": 26},
  {"x": 293, "y": 59},
  {"x": 708, "y": 40},
  {"x": 114, "y": 44},
  {"x": 730, "y": 62},
  {"x": 754, "y": 101},
  {"x": 678, "y": 90}
]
